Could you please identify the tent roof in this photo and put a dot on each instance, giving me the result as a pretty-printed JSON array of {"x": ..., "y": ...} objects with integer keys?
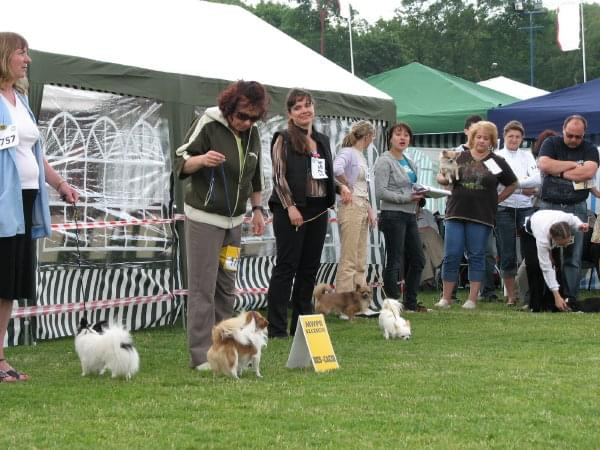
[
  {"x": 511, "y": 87},
  {"x": 550, "y": 111},
  {"x": 432, "y": 101},
  {"x": 191, "y": 38}
]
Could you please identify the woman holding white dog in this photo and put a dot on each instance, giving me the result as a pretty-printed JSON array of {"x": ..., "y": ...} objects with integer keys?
[
  {"x": 24, "y": 173},
  {"x": 471, "y": 209},
  {"x": 544, "y": 233},
  {"x": 354, "y": 214},
  {"x": 395, "y": 174}
]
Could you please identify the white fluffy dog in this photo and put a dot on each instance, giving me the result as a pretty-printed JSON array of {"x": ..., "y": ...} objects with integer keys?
[
  {"x": 390, "y": 321},
  {"x": 106, "y": 346}
]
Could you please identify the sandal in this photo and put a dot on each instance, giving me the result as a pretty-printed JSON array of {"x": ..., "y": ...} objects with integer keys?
[
  {"x": 18, "y": 376},
  {"x": 511, "y": 302},
  {"x": 7, "y": 377}
]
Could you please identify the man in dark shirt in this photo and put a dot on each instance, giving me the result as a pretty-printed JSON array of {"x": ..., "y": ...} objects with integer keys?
[{"x": 568, "y": 163}]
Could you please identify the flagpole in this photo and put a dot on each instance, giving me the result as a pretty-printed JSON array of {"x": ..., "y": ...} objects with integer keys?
[
  {"x": 583, "y": 42},
  {"x": 351, "y": 51}
]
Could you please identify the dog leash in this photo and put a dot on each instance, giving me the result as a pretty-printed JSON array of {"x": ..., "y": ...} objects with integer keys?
[
  {"x": 77, "y": 246},
  {"x": 312, "y": 218}
]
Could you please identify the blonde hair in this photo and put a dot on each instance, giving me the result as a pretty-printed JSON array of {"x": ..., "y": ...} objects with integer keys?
[
  {"x": 486, "y": 127},
  {"x": 358, "y": 131},
  {"x": 560, "y": 230},
  {"x": 9, "y": 43}
]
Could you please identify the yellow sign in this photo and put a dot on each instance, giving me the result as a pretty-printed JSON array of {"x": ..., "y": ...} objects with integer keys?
[{"x": 312, "y": 345}]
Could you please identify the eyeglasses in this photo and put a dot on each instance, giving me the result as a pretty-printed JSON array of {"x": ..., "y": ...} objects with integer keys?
[
  {"x": 244, "y": 117},
  {"x": 574, "y": 136}
]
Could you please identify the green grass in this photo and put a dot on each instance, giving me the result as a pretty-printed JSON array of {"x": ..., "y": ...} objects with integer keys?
[{"x": 490, "y": 378}]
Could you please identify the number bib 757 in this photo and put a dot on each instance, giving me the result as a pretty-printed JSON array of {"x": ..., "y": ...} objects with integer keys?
[{"x": 8, "y": 136}]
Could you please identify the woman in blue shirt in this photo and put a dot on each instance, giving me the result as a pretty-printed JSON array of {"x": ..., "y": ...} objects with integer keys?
[{"x": 24, "y": 173}]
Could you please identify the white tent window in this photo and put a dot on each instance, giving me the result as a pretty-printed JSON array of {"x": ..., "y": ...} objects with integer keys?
[{"x": 115, "y": 151}]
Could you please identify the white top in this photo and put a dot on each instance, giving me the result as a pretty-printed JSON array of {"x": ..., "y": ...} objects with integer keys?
[
  {"x": 525, "y": 168},
  {"x": 28, "y": 133},
  {"x": 541, "y": 221},
  {"x": 360, "y": 188}
]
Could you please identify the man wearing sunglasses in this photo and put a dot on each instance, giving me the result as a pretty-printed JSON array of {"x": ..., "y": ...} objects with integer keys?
[{"x": 568, "y": 165}]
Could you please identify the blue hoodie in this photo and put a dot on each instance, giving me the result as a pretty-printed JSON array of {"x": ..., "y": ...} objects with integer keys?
[{"x": 11, "y": 199}]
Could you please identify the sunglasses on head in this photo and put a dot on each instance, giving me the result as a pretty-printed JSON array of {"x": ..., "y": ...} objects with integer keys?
[
  {"x": 574, "y": 136},
  {"x": 244, "y": 117}
]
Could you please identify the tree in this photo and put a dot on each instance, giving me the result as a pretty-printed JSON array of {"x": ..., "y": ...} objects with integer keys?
[{"x": 472, "y": 40}]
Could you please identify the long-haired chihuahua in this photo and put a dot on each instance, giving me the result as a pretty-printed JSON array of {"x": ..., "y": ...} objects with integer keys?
[{"x": 237, "y": 344}]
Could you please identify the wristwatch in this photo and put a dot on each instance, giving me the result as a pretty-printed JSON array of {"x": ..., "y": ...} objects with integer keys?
[{"x": 260, "y": 208}]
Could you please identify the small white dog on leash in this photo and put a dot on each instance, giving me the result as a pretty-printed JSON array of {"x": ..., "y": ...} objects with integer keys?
[
  {"x": 390, "y": 321},
  {"x": 106, "y": 346}
]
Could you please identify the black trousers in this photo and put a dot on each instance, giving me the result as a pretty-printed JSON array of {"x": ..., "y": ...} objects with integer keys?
[
  {"x": 298, "y": 260},
  {"x": 540, "y": 296}
]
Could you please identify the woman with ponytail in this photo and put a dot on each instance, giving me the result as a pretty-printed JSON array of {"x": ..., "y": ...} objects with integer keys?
[
  {"x": 303, "y": 191},
  {"x": 354, "y": 211},
  {"x": 544, "y": 233}
]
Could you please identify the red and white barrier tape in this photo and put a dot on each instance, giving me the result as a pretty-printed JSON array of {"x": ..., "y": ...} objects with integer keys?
[
  {"x": 132, "y": 222},
  {"x": 45, "y": 310}
]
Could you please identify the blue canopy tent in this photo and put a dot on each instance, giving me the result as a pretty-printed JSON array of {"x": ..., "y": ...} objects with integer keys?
[{"x": 549, "y": 111}]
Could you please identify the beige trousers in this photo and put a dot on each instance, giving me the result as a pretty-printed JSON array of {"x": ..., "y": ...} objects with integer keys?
[{"x": 353, "y": 225}]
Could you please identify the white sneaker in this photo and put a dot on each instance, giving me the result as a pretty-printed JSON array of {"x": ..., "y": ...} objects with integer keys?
[
  {"x": 469, "y": 304},
  {"x": 442, "y": 304},
  {"x": 203, "y": 367}
]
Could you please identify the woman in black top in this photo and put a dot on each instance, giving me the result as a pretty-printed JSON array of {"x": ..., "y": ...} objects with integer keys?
[{"x": 303, "y": 190}]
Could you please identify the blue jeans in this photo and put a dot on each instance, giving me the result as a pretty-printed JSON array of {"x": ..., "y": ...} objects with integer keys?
[
  {"x": 461, "y": 234},
  {"x": 404, "y": 258},
  {"x": 508, "y": 221},
  {"x": 571, "y": 270}
]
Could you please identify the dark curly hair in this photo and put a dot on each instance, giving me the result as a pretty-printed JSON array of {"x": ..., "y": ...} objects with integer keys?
[
  {"x": 402, "y": 126},
  {"x": 245, "y": 93}
]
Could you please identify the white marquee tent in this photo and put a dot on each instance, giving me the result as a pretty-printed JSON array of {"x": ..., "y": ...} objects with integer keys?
[
  {"x": 511, "y": 87},
  {"x": 115, "y": 86}
]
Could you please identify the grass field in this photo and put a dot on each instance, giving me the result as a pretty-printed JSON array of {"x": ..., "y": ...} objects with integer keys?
[{"x": 489, "y": 378}]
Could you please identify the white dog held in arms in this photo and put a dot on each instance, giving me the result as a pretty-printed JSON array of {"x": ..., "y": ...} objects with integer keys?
[
  {"x": 106, "y": 346},
  {"x": 390, "y": 321}
]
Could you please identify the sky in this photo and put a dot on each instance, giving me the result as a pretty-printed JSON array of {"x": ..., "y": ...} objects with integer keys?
[{"x": 372, "y": 10}]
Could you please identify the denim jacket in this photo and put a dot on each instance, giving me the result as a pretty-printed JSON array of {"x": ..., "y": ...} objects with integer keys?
[{"x": 11, "y": 200}]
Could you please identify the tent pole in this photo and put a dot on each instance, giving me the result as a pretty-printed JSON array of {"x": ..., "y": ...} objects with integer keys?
[{"x": 583, "y": 41}]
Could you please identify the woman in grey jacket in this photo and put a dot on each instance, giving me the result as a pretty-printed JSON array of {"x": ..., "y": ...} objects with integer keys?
[{"x": 394, "y": 176}]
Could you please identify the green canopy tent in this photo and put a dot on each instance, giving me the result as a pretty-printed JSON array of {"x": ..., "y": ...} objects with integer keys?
[{"x": 434, "y": 102}]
